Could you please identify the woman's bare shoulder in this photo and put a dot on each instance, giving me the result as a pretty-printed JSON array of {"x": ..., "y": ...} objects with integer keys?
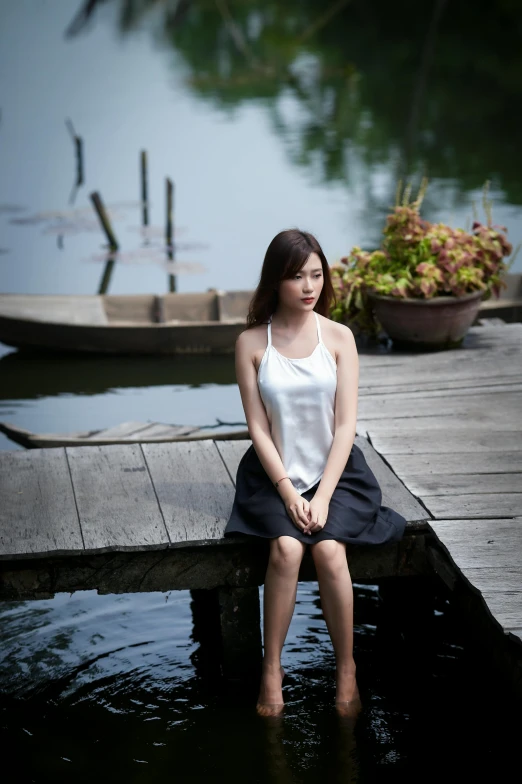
[
  {"x": 335, "y": 329},
  {"x": 251, "y": 340}
]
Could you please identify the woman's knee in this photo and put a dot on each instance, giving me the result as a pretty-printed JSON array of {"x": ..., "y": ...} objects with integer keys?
[
  {"x": 330, "y": 557},
  {"x": 286, "y": 553}
]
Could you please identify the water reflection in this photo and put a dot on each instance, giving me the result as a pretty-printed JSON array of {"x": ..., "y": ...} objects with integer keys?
[
  {"x": 353, "y": 87},
  {"x": 28, "y": 376}
]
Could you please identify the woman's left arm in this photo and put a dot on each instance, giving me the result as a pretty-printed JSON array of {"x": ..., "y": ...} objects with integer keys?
[{"x": 346, "y": 400}]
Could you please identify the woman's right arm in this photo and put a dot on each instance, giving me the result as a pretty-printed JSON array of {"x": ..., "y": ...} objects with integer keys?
[{"x": 259, "y": 430}]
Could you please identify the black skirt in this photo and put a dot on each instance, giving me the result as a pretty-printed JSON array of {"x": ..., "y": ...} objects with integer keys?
[{"x": 355, "y": 514}]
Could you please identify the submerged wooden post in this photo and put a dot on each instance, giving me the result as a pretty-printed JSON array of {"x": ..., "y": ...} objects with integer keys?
[
  {"x": 169, "y": 229},
  {"x": 240, "y": 623},
  {"x": 144, "y": 189},
  {"x": 104, "y": 220},
  {"x": 227, "y": 626}
]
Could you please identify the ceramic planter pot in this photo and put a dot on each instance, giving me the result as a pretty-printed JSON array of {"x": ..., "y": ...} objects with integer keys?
[{"x": 437, "y": 323}]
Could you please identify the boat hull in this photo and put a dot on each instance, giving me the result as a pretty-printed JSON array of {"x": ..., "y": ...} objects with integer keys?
[{"x": 190, "y": 338}]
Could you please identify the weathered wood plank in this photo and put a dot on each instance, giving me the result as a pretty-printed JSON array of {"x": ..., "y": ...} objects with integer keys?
[
  {"x": 116, "y": 500},
  {"x": 462, "y": 426},
  {"x": 37, "y": 512},
  {"x": 481, "y": 505},
  {"x": 474, "y": 544},
  {"x": 231, "y": 453},
  {"x": 481, "y": 463},
  {"x": 494, "y": 406},
  {"x": 193, "y": 488},
  {"x": 444, "y": 442},
  {"x": 464, "y": 484},
  {"x": 468, "y": 386},
  {"x": 506, "y": 607},
  {"x": 394, "y": 493},
  {"x": 490, "y": 579},
  {"x": 229, "y": 562}
]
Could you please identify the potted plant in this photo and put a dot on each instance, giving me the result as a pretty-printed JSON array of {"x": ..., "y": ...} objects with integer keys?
[{"x": 424, "y": 285}]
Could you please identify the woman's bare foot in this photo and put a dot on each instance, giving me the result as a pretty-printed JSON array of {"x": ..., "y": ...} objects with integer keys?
[
  {"x": 347, "y": 698},
  {"x": 270, "y": 700}
]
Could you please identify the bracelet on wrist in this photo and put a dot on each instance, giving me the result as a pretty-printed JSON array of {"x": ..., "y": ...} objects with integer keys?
[{"x": 276, "y": 484}]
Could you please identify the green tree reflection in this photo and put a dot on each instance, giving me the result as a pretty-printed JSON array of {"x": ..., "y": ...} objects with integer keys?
[{"x": 432, "y": 88}]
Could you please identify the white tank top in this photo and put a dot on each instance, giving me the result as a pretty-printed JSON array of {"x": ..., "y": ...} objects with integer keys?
[{"x": 299, "y": 397}]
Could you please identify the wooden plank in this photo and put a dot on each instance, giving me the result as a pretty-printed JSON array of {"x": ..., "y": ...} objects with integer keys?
[
  {"x": 491, "y": 579},
  {"x": 473, "y": 385},
  {"x": 462, "y": 425},
  {"x": 193, "y": 488},
  {"x": 443, "y": 442},
  {"x": 481, "y": 463},
  {"x": 494, "y": 406},
  {"x": 394, "y": 493},
  {"x": 38, "y": 514},
  {"x": 506, "y": 607},
  {"x": 460, "y": 484},
  {"x": 481, "y": 505},
  {"x": 116, "y": 500},
  {"x": 474, "y": 544},
  {"x": 231, "y": 453}
]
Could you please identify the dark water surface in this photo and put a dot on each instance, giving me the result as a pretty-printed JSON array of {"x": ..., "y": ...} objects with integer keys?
[
  {"x": 265, "y": 115},
  {"x": 115, "y": 689}
]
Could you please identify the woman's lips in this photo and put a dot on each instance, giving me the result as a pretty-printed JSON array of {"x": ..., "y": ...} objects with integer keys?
[{"x": 307, "y": 299}]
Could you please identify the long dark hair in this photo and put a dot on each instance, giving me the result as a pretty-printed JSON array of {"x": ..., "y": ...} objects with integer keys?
[{"x": 285, "y": 256}]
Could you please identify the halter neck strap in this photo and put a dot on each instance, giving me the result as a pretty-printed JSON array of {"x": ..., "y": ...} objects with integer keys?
[
  {"x": 269, "y": 331},
  {"x": 318, "y": 327}
]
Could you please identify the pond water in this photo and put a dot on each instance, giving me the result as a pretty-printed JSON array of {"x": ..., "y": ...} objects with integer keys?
[
  {"x": 265, "y": 115},
  {"x": 117, "y": 689}
]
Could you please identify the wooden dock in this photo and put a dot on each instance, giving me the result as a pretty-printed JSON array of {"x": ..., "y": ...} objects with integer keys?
[{"x": 441, "y": 431}]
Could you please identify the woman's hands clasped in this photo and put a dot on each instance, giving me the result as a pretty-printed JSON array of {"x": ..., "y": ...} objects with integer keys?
[
  {"x": 317, "y": 513},
  {"x": 309, "y": 516}
]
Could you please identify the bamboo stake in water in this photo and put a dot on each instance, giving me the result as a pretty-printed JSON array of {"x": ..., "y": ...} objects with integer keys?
[
  {"x": 170, "y": 229},
  {"x": 107, "y": 274},
  {"x": 104, "y": 220},
  {"x": 144, "y": 189}
]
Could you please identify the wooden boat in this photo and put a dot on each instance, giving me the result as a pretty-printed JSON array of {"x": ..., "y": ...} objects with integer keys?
[
  {"x": 126, "y": 433},
  {"x": 179, "y": 323}
]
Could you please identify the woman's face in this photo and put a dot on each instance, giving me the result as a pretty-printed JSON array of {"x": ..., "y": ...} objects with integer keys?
[{"x": 302, "y": 291}]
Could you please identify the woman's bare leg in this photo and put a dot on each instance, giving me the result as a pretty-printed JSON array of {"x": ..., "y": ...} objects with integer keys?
[
  {"x": 286, "y": 554},
  {"x": 335, "y": 588}
]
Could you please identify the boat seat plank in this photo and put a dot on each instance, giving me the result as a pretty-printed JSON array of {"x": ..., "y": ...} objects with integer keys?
[
  {"x": 123, "y": 430},
  {"x": 193, "y": 489},
  {"x": 55, "y": 309},
  {"x": 38, "y": 514},
  {"x": 159, "y": 430},
  {"x": 116, "y": 500}
]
